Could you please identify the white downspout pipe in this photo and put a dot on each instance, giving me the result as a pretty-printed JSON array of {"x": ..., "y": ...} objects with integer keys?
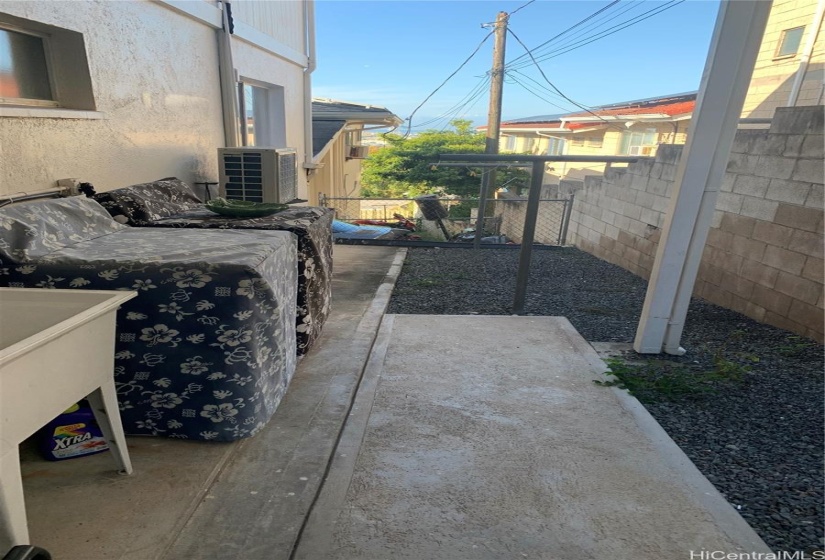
[
  {"x": 229, "y": 91},
  {"x": 309, "y": 30},
  {"x": 806, "y": 53},
  {"x": 740, "y": 26}
]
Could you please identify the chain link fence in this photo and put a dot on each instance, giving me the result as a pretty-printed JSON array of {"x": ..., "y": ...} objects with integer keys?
[{"x": 456, "y": 222}]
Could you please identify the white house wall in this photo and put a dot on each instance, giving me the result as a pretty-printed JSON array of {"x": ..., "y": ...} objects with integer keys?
[
  {"x": 269, "y": 16},
  {"x": 255, "y": 64},
  {"x": 155, "y": 77}
]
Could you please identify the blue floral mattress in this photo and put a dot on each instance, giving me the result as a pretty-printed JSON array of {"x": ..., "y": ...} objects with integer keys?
[
  {"x": 207, "y": 349},
  {"x": 312, "y": 226},
  {"x": 171, "y": 203}
]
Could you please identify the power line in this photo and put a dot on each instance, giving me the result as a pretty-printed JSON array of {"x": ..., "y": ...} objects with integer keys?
[
  {"x": 546, "y": 79},
  {"x": 568, "y": 29},
  {"x": 607, "y": 32},
  {"x": 477, "y": 90},
  {"x": 409, "y": 119},
  {"x": 544, "y": 89},
  {"x": 604, "y": 18},
  {"x": 529, "y": 90},
  {"x": 596, "y": 26},
  {"x": 469, "y": 105},
  {"x": 520, "y": 7}
]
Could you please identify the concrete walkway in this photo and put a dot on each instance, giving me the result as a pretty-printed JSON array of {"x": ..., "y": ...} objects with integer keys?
[
  {"x": 207, "y": 500},
  {"x": 484, "y": 437},
  {"x": 467, "y": 437}
]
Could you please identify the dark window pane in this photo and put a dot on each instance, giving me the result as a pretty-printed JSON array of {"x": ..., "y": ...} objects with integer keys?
[{"x": 23, "y": 70}]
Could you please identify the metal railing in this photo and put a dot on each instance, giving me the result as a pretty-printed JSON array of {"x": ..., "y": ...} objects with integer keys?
[
  {"x": 537, "y": 224},
  {"x": 536, "y": 164}
]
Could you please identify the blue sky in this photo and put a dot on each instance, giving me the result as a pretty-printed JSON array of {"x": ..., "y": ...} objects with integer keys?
[{"x": 395, "y": 53}]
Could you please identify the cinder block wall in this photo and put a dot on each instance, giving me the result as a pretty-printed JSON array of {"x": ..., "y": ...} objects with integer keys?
[{"x": 764, "y": 255}]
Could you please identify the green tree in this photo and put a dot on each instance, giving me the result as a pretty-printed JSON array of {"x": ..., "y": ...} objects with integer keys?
[{"x": 405, "y": 166}]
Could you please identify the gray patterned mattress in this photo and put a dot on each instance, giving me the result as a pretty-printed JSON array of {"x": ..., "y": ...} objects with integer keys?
[
  {"x": 207, "y": 349},
  {"x": 172, "y": 203}
]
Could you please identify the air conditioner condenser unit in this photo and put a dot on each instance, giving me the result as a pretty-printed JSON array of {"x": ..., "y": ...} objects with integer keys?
[{"x": 259, "y": 174}]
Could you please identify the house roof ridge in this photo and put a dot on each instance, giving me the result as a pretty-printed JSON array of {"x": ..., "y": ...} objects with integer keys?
[{"x": 608, "y": 109}]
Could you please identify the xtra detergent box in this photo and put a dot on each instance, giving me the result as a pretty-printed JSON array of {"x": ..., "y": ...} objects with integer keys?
[{"x": 74, "y": 433}]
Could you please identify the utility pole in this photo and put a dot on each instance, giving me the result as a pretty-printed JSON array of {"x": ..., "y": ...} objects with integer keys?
[{"x": 493, "y": 119}]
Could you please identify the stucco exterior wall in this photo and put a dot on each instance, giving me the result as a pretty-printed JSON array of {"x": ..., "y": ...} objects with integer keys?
[
  {"x": 764, "y": 254},
  {"x": 155, "y": 77},
  {"x": 773, "y": 76}
]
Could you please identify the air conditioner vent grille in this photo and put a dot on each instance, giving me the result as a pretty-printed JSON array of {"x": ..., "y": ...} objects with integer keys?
[
  {"x": 259, "y": 174},
  {"x": 244, "y": 174}
]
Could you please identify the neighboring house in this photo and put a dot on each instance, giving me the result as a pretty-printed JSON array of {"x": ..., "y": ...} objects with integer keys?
[
  {"x": 789, "y": 71},
  {"x": 337, "y": 128},
  {"x": 115, "y": 93},
  {"x": 790, "y": 67},
  {"x": 627, "y": 128}
]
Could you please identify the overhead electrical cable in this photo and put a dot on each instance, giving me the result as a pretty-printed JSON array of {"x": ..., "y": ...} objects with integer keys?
[
  {"x": 546, "y": 79},
  {"x": 609, "y": 31},
  {"x": 531, "y": 89},
  {"x": 520, "y": 7},
  {"x": 605, "y": 21},
  {"x": 569, "y": 36},
  {"x": 546, "y": 90},
  {"x": 568, "y": 29},
  {"x": 471, "y": 97},
  {"x": 468, "y": 107},
  {"x": 409, "y": 119}
]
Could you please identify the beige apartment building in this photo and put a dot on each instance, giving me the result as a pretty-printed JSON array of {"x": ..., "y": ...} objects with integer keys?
[
  {"x": 789, "y": 71},
  {"x": 635, "y": 127},
  {"x": 790, "y": 68}
]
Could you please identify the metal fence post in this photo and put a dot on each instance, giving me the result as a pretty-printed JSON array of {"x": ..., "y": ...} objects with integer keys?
[
  {"x": 526, "y": 253},
  {"x": 565, "y": 222},
  {"x": 484, "y": 192}
]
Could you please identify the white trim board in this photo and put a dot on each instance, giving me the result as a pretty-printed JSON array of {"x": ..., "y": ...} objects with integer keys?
[{"x": 49, "y": 113}]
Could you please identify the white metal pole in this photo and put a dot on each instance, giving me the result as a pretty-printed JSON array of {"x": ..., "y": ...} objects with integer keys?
[
  {"x": 740, "y": 25},
  {"x": 309, "y": 30}
]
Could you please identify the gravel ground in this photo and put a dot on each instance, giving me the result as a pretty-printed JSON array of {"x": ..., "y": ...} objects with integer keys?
[{"x": 758, "y": 439}]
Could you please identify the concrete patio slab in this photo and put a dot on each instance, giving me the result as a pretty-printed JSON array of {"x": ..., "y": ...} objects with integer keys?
[
  {"x": 484, "y": 437},
  {"x": 434, "y": 438}
]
